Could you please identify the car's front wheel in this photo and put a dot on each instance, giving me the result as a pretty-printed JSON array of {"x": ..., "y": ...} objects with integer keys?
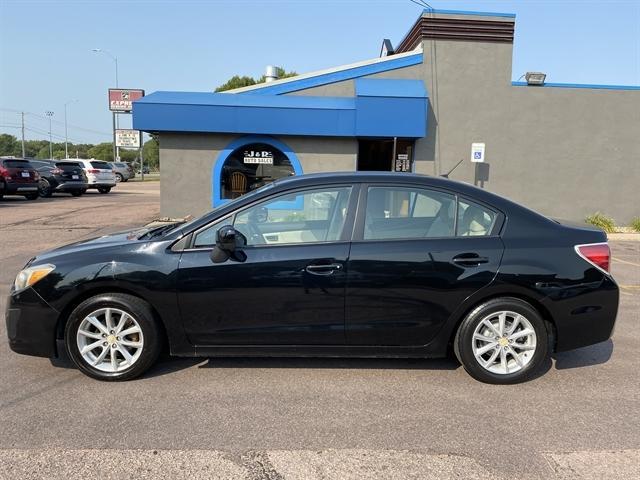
[
  {"x": 119, "y": 177},
  {"x": 113, "y": 336},
  {"x": 104, "y": 189},
  {"x": 502, "y": 341}
]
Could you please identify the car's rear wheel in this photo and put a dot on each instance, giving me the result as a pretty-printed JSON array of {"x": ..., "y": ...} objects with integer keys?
[
  {"x": 104, "y": 189},
  {"x": 112, "y": 337},
  {"x": 32, "y": 196},
  {"x": 44, "y": 188},
  {"x": 119, "y": 177},
  {"x": 77, "y": 193},
  {"x": 502, "y": 341}
]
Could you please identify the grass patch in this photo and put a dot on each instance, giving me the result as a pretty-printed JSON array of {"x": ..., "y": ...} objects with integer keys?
[
  {"x": 601, "y": 221},
  {"x": 635, "y": 224}
]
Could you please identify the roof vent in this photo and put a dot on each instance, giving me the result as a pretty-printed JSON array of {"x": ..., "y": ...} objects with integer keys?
[{"x": 271, "y": 73}]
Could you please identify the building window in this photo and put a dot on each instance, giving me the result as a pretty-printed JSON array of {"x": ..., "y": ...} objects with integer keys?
[{"x": 252, "y": 166}]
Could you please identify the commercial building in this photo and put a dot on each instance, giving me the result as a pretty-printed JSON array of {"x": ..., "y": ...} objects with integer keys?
[{"x": 565, "y": 150}]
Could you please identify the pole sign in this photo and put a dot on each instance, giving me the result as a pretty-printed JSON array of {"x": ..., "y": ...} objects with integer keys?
[
  {"x": 121, "y": 100},
  {"x": 477, "y": 152},
  {"x": 127, "y": 138}
]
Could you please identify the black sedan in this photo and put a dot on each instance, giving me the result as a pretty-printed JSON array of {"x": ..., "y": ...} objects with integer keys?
[
  {"x": 60, "y": 176},
  {"x": 354, "y": 264}
]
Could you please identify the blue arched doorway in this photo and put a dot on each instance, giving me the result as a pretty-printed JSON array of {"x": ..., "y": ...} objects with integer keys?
[{"x": 249, "y": 162}]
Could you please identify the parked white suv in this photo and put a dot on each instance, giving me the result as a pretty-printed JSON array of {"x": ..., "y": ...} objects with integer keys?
[{"x": 100, "y": 174}]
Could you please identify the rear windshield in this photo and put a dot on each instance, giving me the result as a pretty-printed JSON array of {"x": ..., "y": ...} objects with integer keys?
[
  {"x": 66, "y": 166},
  {"x": 17, "y": 164},
  {"x": 103, "y": 165},
  {"x": 121, "y": 165}
]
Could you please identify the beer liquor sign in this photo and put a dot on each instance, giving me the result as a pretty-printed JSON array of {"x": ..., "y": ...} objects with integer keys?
[
  {"x": 121, "y": 99},
  {"x": 127, "y": 138},
  {"x": 262, "y": 157}
]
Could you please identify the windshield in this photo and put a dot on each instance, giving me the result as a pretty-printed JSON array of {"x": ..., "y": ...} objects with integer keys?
[{"x": 253, "y": 193}]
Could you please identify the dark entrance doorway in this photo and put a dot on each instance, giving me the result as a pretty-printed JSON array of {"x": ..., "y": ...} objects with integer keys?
[{"x": 378, "y": 155}]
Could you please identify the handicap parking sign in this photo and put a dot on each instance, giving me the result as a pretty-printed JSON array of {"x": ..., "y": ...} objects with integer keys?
[{"x": 477, "y": 152}]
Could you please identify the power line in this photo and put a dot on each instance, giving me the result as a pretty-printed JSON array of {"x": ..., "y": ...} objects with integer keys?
[{"x": 58, "y": 122}]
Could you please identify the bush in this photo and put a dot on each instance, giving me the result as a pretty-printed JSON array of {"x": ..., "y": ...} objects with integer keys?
[
  {"x": 635, "y": 224},
  {"x": 601, "y": 221}
]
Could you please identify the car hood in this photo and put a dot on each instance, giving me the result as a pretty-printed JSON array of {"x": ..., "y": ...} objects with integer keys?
[{"x": 104, "y": 241}]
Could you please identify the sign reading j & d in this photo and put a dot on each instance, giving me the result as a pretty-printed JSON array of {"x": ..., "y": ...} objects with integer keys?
[
  {"x": 121, "y": 100},
  {"x": 264, "y": 157}
]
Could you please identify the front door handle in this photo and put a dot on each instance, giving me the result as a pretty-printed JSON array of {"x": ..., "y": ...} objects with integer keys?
[
  {"x": 323, "y": 269},
  {"x": 469, "y": 259}
]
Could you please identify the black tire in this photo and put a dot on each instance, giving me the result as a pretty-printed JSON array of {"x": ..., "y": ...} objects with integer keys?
[
  {"x": 125, "y": 180},
  {"x": 83, "y": 191},
  {"x": 134, "y": 306},
  {"x": 76, "y": 193},
  {"x": 44, "y": 188},
  {"x": 104, "y": 189},
  {"x": 119, "y": 177},
  {"x": 32, "y": 196},
  {"x": 463, "y": 342}
]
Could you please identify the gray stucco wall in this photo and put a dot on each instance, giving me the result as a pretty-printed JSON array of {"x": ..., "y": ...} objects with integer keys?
[
  {"x": 187, "y": 166},
  {"x": 565, "y": 152}
]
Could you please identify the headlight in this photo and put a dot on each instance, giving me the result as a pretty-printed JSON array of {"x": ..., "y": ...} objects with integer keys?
[{"x": 31, "y": 275}]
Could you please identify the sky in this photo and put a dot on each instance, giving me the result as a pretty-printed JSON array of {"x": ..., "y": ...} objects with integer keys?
[{"x": 189, "y": 45}]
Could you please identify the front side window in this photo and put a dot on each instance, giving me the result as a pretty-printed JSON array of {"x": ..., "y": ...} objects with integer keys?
[
  {"x": 252, "y": 166},
  {"x": 408, "y": 212},
  {"x": 303, "y": 217},
  {"x": 474, "y": 219}
]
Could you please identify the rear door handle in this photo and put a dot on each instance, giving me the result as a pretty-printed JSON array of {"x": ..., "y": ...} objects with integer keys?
[
  {"x": 469, "y": 259},
  {"x": 325, "y": 269}
]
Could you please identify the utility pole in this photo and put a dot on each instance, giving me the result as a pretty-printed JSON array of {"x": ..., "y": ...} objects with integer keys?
[
  {"x": 116, "y": 123},
  {"x": 23, "y": 152},
  {"x": 66, "y": 147},
  {"x": 50, "y": 114}
]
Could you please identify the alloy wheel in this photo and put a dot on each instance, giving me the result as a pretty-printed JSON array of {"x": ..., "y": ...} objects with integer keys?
[
  {"x": 504, "y": 342},
  {"x": 110, "y": 340}
]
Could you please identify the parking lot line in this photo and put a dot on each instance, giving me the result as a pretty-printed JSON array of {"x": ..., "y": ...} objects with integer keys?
[{"x": 616, "y": 259}]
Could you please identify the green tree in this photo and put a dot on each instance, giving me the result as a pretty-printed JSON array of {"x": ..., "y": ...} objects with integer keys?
[
  {"x": 238, "y": 82},
  {"x": 151, "y": 153},
  {"x": 102, "y": 151},
  {"x": 8, "y": 144}
]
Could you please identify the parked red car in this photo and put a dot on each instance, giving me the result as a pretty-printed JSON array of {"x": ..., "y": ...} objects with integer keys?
[{"x": 18, "y": 177}]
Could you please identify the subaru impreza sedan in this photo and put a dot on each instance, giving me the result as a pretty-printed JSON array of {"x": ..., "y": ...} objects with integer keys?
[{"x": 351, "y": 264}]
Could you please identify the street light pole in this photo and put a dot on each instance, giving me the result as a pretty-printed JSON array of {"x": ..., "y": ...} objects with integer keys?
[
  {"x": 116, "y": 150},
  {"x": 66, "y": 140},
  {"x": 49, "y": 114}
]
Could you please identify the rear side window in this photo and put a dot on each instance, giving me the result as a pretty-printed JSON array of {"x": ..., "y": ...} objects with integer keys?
[
  {"x": 474, "y": 219},
  {"x": 17, "y": 163},
  {"x": 407, "y": 212},
  {"x": 101, "y": 165}
]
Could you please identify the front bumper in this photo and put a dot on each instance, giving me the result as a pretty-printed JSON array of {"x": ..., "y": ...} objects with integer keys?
[{"x": 31, "y": 324}]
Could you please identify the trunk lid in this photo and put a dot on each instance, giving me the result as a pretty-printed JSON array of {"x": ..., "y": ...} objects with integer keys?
[{"x": 21, "y": 171}]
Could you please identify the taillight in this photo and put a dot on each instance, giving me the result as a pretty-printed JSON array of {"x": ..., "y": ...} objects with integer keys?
[
  {"x": 93, "y": 170},
  {"x": 597, "y": 254}
]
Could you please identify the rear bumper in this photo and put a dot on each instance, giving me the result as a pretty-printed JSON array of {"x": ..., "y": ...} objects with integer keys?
[
  {"x": 587, "y": 318},
  {"x": 31, "y": 324},
  {"x": 71, "y": 186},
  {"x": 11, "y": 188},
  {"x": 101, "y": 184}
]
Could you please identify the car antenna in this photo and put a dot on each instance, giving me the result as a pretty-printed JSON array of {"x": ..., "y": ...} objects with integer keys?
[{"x": 446, "y": 175}]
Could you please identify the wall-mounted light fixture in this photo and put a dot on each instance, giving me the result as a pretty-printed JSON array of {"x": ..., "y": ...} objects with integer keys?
[{"x": 535, "y": 78}]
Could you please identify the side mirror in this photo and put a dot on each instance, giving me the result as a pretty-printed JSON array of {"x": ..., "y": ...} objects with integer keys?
[{"x": 229, "y": 244}]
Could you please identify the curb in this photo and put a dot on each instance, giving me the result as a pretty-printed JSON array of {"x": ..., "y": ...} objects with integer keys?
[{"x": 626, "y": 237}]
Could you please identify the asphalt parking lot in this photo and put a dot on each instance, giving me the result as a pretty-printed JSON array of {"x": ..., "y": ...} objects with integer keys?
[{"x": 306, "y": 418}]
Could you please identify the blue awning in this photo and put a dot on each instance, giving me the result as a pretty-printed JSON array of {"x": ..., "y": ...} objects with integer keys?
[{"x": 381, "y": 107}]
